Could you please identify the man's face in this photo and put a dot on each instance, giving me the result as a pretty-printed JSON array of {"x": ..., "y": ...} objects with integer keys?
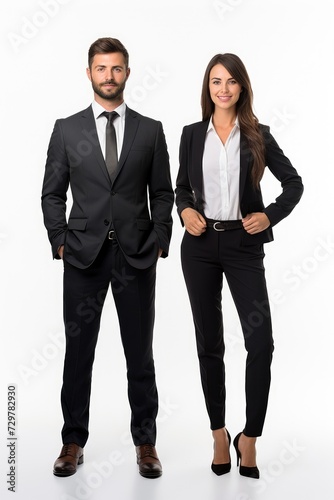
[{"x": 108, "y": 75}]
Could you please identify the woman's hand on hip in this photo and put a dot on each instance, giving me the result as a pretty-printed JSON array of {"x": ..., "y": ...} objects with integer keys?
[
  {"x": 255, "y": 222},
  {"x": 193, "y": 221}
]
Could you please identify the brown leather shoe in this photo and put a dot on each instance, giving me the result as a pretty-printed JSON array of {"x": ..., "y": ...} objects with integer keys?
[
  {"x": 70, "y": 456},
  {"x": 148, "y": 461}
]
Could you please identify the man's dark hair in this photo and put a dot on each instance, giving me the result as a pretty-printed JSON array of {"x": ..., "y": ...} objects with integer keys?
[{"x": 106, "y": 46}]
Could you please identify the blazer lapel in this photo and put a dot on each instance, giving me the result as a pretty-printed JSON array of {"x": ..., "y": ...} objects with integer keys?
[
  {"x": 90, "y": 133},
  {"x": 244, "y": 163},
  {"x": 197, "y": 148},
  {"x": 131, "y": 126}
]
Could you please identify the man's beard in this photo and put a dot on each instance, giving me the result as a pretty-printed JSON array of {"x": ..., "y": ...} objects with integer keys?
[{"x": 112, "y": 95}]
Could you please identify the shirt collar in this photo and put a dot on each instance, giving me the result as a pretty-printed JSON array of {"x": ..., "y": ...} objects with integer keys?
[
  {"x": 211, "y": 127},
  {"x": 98, "y": 109}
]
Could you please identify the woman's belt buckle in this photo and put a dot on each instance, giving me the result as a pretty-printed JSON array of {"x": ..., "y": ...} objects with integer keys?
[{"x": 216, "y": 229}]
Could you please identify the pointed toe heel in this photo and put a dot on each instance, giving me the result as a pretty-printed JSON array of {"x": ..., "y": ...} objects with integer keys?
[
  {"x": 252, "y": 472},
  {"x": 220, "y": 469}
]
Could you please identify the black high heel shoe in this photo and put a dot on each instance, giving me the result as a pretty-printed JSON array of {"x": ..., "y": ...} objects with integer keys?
[
  {"x": 252, "y": 472},
  {"x": 221, "y": 469}
]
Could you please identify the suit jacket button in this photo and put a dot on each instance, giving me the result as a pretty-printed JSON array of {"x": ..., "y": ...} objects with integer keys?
[{"x": 106, "y": 222}]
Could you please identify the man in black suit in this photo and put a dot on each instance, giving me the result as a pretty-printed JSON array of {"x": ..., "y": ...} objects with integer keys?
[{"x": 119, "y": 225}]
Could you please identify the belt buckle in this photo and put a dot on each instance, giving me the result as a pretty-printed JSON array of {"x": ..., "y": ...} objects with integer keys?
[
  {"x": 111, "y": 235},
  {"x": 216, "y": 229}
]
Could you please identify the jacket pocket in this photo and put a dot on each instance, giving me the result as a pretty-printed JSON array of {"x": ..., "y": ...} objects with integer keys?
[{"x": 77, "y": 224}]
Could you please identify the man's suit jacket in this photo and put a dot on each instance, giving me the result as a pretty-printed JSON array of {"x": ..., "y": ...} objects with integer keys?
[
  {"x": 137, "y": 204},
  {"x": 189, "y": 190}
]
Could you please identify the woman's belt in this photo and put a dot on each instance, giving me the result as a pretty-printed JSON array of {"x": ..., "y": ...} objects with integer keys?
[{"x": 224, "y": 225}]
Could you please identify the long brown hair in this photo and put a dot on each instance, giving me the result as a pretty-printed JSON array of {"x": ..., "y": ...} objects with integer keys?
[{"x": 249, "y": 124}]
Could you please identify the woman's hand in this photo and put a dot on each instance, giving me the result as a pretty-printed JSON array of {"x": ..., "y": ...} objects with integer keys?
[
  {"x": 255, "y": 222},
  {"x": 193, "y": 221}
]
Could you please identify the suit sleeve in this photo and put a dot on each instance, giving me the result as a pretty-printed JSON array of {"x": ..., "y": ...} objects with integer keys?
[
  {"x": 183, "y": 191},
  {"x": 55, "y": 185},
  {"x": 291, "y": 182},
  {"x": 161, "y": 192}
]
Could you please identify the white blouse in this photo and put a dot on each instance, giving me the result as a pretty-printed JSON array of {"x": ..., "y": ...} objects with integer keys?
[{"x": 221, "y": 173}]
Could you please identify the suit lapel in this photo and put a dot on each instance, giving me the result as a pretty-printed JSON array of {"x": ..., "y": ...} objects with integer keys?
[
  {"x": 131, "y": 126},
  {"x": 197, "y": 147},
  {"x": 90, "y": 133},
  {"x": 244, "y": 163}
]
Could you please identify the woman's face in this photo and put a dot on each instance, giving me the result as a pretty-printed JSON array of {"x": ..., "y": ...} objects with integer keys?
[{"x": 224, "y": 89}]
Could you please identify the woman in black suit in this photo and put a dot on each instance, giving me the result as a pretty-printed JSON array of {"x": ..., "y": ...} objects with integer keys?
[{"x": 218, "y": 196}]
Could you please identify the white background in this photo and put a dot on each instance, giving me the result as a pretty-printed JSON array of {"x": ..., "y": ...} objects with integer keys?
[{"x": 287, "y": 47}]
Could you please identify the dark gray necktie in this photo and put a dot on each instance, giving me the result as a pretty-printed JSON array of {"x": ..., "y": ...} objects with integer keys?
[{"x": 111, "y": 143}]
